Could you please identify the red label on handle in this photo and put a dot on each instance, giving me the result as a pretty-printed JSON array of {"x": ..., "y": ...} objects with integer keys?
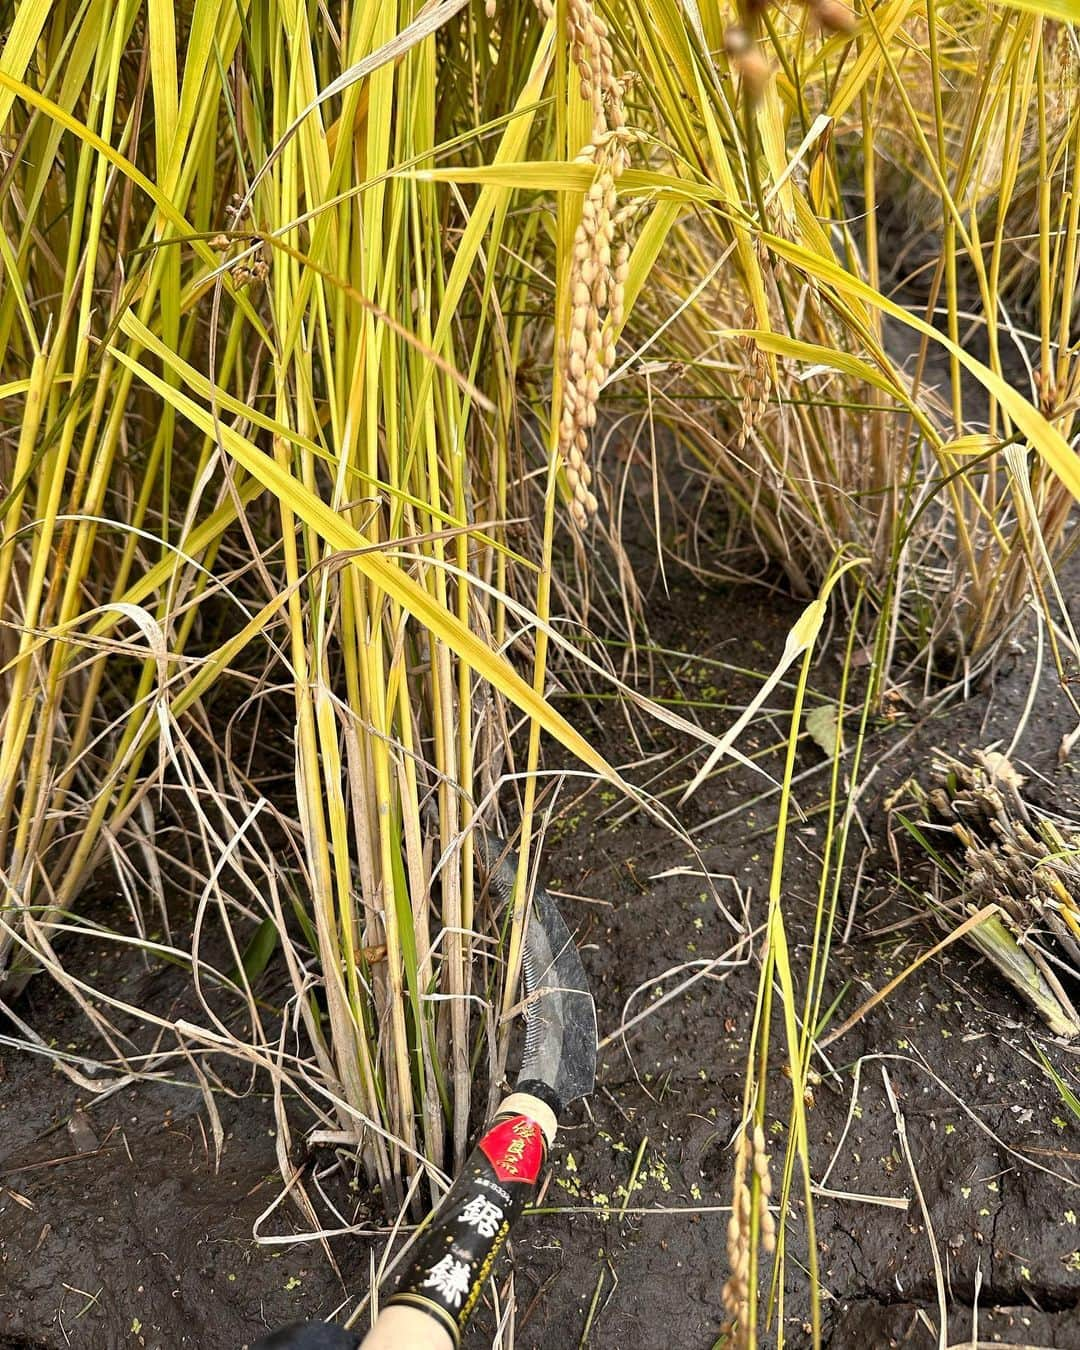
[{"x": 515, "y": 1148}]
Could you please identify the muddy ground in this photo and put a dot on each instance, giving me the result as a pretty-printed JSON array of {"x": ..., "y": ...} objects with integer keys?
[{"x": 117, "y": 1227}]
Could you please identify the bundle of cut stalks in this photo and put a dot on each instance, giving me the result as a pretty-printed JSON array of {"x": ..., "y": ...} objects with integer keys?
[{"x": 990, "y": 846}]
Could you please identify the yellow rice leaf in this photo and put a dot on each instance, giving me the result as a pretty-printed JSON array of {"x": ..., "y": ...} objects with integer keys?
[
  {"x": 195, "y": 380},
  {"x": 92, "y": 139},
  {"x": 801, "y": 637},
  {"x": 865, "y": 65},
  {"x": 564, "y": 176},
  {"x": 1069, "y": 10},
  {"x": 19, "y": 44},
  {"x": 651, "y": 239},
  {"x": 979, "y": 443},
  {"x": 511, "y": 145},
  {"x": 813, "y": 353},
  {"x": 215, "y": 29},
  {"x": 392, "y": 578},
  {"x": 10, "y": 268},
  {"x": 773, "y": 132},
  {"x": 1042, "y": 436},
  {"x": 162, "y": 28}
]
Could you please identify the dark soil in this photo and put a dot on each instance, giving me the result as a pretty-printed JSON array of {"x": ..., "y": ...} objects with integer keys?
[
  {"x": 119, "y": 1226},
  {"x": 141, "y": 1239}
]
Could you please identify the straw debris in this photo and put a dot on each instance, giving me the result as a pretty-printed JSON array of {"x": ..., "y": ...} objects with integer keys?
[{"x": 1013, "y": 856}]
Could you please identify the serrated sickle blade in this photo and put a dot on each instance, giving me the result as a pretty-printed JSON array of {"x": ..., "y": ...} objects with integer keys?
[
  {"x": 560, "y": 1015},
  {"x": 560, "y": 1025}
]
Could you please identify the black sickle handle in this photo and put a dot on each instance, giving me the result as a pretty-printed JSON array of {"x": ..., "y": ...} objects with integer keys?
[
  {"x": 439, "y": 1289},
  {"x": 440, "y": 1285},
  {"x": 456, "y": 1253}
]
